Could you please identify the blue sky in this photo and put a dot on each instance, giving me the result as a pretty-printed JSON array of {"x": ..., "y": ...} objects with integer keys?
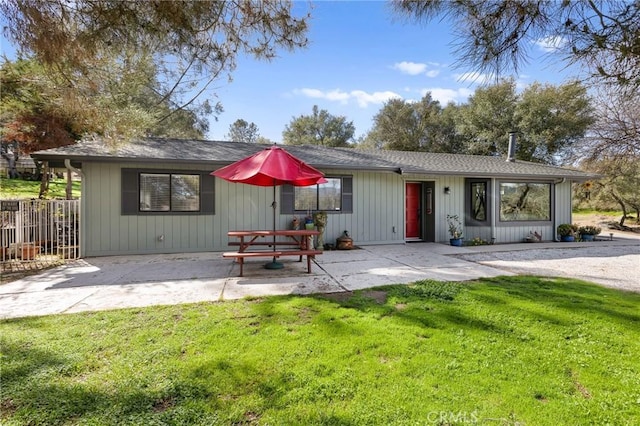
[{"x": 358, "y": 57}]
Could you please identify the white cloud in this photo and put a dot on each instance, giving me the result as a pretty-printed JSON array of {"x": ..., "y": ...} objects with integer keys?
[
  {"x": 410, "y": 68},
  {"x": 333, "y": 95},
  {"x": 362, "y": 98},
  {"x": 551, "y": 43},
  {"x": 444, "y": 96},
  {"x": 413, "y": 68}
]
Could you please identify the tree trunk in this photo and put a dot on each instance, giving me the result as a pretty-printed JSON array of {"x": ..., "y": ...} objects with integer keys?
[
  {"x": 13, "y": 172},
  {"x": 39, "y": 166},
  {"x": 44, "y": 182},
  {"x": 623, "y": 205}
]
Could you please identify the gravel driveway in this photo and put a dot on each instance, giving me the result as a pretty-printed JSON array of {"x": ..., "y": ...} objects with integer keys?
[{"x": 616, "y": 266}]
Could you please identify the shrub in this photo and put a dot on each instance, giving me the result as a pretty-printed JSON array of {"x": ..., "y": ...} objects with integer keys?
[
  {"x": 567, "y": 229},
  {"x": 589, "y": 230},
  {"x": 455, "y": 226}
]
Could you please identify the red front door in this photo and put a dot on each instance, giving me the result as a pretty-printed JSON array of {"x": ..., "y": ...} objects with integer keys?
[{"x": 412, "y": 209}]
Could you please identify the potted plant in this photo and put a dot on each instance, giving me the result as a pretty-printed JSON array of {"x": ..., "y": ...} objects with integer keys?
[
  {"x": 588, "y": 232},
  {"x": 308, "y": 221},
  {"x": 455, "y": 230},
  {"x": 320, "y": 220},
  {"x": 567, "y": 232}
]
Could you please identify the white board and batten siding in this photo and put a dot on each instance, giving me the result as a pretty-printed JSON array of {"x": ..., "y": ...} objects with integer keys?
[
  {"x": 378, "y": 215},
  {"x": 378, "y": 211},
  {"x": 563, "y": 202},
  {"x": 108, "y": 232},
  {"x": 453, "y": 203}
]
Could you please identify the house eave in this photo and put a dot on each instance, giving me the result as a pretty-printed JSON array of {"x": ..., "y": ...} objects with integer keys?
[
  {"x": 215, "y": 154},
  {"x": 59, "y": 159},
  {"x": 520, "y": 176}
]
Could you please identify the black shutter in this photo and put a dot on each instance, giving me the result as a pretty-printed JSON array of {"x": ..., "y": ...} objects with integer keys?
[
  {"x": 207, "y": 193},
  {"x": 130, "y": 192},
  {"x": 347, "y": 194},
  {"x": 286, "y": 199}
]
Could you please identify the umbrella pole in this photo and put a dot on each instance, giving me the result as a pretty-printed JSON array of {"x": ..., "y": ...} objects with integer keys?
[{"x": 274, "y": 264}]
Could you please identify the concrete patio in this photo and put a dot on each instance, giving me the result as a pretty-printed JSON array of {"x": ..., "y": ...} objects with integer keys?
[{"x": 101, "y": 283}]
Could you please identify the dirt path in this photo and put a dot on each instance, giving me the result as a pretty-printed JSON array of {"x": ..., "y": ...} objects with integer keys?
[{"x": 603, "y": 221}]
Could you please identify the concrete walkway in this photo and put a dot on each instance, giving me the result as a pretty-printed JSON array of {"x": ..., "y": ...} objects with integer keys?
[{"x": 135, "y": 281}]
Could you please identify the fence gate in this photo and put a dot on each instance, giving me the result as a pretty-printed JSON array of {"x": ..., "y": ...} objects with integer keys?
[{"x": 38, "y": 233}]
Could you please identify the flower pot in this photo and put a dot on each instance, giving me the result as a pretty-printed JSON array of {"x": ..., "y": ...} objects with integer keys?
[
  {"x": 309, "y": 226},
  {"x": 28, "y": 251},
  {"x": 567, "y": 238},
  {"x": 456, "y": 242},
  {"x": 587, "y": 237}
]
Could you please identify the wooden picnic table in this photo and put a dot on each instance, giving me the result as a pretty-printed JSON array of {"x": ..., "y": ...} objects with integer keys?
[{"x": 298, "y": 242}]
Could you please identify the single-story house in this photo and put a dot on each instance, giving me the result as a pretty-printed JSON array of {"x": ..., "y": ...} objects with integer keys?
[
  {"x": 158, "y": 196},
  {"x": 23, "y": 165}
]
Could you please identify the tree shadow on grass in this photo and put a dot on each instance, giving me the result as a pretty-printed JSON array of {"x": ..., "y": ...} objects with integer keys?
[
  {"x": 193, "y": 396},
  {"x": 38, "y": 389},
  {"x": 571, "y": 296},
  {"x": 556, "y": 301},
  {"x": 26, "y": 392}
]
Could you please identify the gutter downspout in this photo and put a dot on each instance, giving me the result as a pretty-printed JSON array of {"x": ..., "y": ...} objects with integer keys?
[{"x": 67, "y": 164}]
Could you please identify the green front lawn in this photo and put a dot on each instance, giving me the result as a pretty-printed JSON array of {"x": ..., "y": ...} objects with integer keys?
[
  {"x": 510, "y": 350},
  {"x": 18, "y": 189}
]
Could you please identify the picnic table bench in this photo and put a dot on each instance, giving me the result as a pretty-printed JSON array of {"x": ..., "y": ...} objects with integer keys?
[{"x": 297, "y": 243}]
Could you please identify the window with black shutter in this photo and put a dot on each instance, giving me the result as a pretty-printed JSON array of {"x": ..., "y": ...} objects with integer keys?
[
  {"x": 336, "y": 195},
  {"x": 166, "y": 192}
]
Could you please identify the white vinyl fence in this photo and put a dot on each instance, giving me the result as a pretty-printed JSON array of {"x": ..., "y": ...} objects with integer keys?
[{"x": 38, "y": 233}]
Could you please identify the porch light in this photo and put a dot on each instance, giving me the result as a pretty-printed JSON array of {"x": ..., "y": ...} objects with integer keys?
[{"x": 447, "y": 190}]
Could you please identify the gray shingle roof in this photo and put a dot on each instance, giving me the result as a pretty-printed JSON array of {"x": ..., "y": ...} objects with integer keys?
[
  {"x": 218, "y": 153},
  {"x": 474, "y": 165}
]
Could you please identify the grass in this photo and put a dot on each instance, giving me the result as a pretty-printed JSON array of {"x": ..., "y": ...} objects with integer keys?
[
  {"x": 614, "y": 214},
  {"x": 586, "y": 212},
  {"x": 18, "y": 189},
  {"x": 510, "y": 350}
]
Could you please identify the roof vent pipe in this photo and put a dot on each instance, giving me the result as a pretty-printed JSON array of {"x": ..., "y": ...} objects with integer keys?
[{"x": 511, "y": 153}]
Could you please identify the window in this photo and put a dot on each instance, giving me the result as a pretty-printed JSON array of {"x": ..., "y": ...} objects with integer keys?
[
  {"x": 334, "y": 195},
  {"x": 477, "y": 193},
  {"x": 479, "y": 201},
  {"x": 169, "y": 192},
  {"x": 325, "y": 196},
  {"x": 525, "y": 201},
  {"x": 163, "y": 192}
]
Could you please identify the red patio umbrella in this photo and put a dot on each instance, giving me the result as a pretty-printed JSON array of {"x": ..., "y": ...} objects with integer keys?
[{"x": 272, "y": 166}]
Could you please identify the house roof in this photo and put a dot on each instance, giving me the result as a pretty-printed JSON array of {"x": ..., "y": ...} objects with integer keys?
[
  {"x": 475, "y": 165},
  {"x": 219, "y": 153}
]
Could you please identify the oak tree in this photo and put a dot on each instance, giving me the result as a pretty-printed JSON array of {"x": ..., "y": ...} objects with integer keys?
[
  {"x": 95, "y": 44},
  {"x": 243, "y": 131},
  {"x": 319, "y": 128},
  {"x": 550, "y": 120},
  {"x": 414, "y": 126}
]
